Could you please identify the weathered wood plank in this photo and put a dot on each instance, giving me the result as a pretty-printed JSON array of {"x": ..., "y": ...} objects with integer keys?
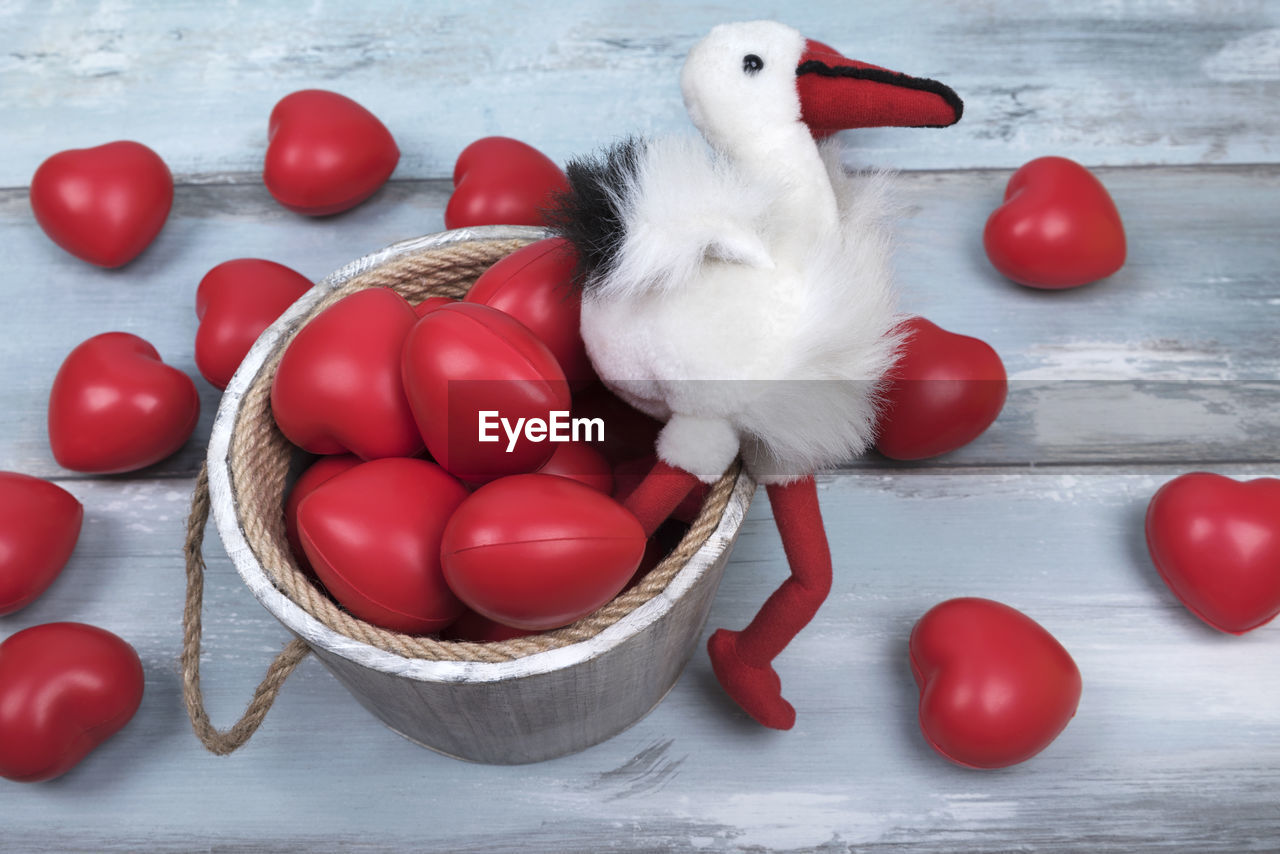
[
  {"x": 1176, "y": 357},
  {"x": 1170, "y": 365},
  {"x": 1176, "y": 746},
  {"x": 1167, "y": 81}
]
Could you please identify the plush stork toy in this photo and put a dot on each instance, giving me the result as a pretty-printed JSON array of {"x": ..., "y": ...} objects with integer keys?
[{"x": 741, "y": 293}]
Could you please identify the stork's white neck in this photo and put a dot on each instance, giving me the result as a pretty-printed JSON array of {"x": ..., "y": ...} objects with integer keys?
[{"x": 785, "y": 158}]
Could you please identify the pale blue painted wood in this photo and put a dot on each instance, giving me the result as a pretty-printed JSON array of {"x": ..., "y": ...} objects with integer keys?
[
  {"x": 1107, "y": 83},
  {"x": 1176, "y": 744},
  {"x": 1176, "y": 357}
]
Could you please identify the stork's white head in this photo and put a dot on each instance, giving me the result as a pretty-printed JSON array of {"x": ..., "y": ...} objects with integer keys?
[
  {"x": 741, "y": 78},
  {"x": 745, "y": 79}
]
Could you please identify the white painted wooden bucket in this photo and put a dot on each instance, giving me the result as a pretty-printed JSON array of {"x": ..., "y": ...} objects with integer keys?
[{"x": 496, "y": 703}]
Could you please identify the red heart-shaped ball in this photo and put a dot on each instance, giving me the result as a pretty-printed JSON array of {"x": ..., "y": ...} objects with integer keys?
[
  {"x": 502, "y": 181},
  {"x": 103, "y": 204},
  {"x": 64, "y": 689},
  {"x": 1216, "y": 543},
  {"x": 1058, "y": 227},
  {"x": 536, "y": 552},
  {"x": 321, "y": 471},
  {"x": 115, "y": 407},
  {"x": 39, "y": 526},
  {"x": 430, "y": 304},
  {"x": 464, "y": 360},
  {"x": 534, "y": 285},
  {"x": 338, "y": 387},
  {"x": 373, "y": 536},
  {"x": 944, "y": 391},
  {"x": 235, "y": 302},
  {"x": 581, "y": 462},
  {"x": 995, "y": 687},
  {"x": 325, "y": 153}
]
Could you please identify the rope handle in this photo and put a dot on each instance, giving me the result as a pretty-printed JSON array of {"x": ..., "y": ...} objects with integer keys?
[{"x": 221, "y": 742}]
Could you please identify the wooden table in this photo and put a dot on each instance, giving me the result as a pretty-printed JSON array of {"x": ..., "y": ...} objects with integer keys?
[{"x": 1169, "y": 366}]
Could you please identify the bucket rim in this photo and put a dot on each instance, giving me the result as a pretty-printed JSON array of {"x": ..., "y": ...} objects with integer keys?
[{"x": 226, "y": 514}]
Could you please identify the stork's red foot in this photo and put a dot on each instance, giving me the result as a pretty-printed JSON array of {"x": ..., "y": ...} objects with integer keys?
[{"x": 756, "y": 688}]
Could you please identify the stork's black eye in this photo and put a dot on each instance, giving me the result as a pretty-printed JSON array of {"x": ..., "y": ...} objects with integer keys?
[{"x": 752, "y": 64}]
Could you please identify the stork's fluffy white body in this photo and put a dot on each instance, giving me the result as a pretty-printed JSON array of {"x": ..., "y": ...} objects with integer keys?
[{"x": 751, "y": 302}]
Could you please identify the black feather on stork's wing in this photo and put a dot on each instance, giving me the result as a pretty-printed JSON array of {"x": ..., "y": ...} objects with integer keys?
[{"x": 591, "y": 214}]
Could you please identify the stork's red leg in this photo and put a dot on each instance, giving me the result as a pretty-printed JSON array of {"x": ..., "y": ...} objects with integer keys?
[
  {"x": 741, "y": 660},
  {"x": 659, "y": 494}
]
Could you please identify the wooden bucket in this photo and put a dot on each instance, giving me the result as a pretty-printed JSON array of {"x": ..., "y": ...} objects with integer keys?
[{"x": 511, "y": 702}]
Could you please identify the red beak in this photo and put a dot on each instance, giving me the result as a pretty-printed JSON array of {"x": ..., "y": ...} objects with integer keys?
[{"x": 837, "y": 93}]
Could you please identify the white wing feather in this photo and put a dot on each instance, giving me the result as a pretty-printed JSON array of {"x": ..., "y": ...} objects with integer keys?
[{"x": 684, "y": 205}]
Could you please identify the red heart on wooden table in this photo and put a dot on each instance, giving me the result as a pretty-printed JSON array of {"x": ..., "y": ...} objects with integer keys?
[
  {"x": 995, "y": 687},
  {"x": 338, "y": 390},
  {"x": 945, "y": 390},
  {"x": 115, "y": 407},
  {"x": 466, "y": 362},
  {"x": 534, "y": 285},
  {"x": 502, "y": 181},
  {"x": 39, "y": 525},
  {"x": 103, "y": 204},
  {"x": 1058, "y": 227},
  {"x": 235, "y": 302},
  {"x": 1216, "y": 542},
  {"x": 373, "y": 533},
  {"x": 64, "y": 689},
  {"x": 325, "y": 153}
]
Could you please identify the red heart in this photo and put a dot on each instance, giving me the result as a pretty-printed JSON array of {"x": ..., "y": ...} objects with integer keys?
[
  {"x": 321, "y": 471},
  {"x": 1216, "y": 543},
  {"x": 373, "y": 535},
  {"x": 338, "y": 387},
  {"x": 39, "y": 526},
  {"x": 1058, "y": 227},
  {"x": 945, "y": 390},
  {"x": 536, "y": 552},
  {"x": 534, "y": 285},
  {"x": 995, "y": 687},
  {"x": 581, "y": 462},
  {"x": 103, "y": 204},
  {"x": 64, "y": 689},
  {"x": 502, "y": 181},
  {"x": 430, "y": 304},
  {"x": 235, "y": 302},
  {"x": 325, "y": 153},
  {"x": 463, "y": 360},
  {"x": 115, "y": 407}
]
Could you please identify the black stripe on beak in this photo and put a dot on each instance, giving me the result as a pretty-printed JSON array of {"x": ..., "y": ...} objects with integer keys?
[{"x": 891, "y": 78}]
